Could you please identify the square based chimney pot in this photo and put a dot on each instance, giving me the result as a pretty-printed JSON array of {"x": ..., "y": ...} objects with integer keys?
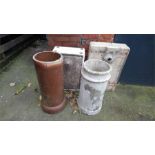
[{"x": 73, "y": 61}]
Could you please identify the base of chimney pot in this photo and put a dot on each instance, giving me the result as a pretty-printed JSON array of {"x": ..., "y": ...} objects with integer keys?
[{"x": 53, "y": 110}]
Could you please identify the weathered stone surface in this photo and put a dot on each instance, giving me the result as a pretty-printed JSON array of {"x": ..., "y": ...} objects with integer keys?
[{"x": 113, "y": 53}]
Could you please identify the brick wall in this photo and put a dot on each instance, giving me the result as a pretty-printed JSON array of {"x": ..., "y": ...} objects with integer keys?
[{"x": 77, "y": 40}]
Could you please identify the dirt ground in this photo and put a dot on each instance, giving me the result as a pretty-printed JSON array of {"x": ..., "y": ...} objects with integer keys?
[{"x": 20, "y": 101}]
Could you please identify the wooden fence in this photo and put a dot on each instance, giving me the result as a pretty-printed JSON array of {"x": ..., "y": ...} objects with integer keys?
[{"x": 10, "y": 44}]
